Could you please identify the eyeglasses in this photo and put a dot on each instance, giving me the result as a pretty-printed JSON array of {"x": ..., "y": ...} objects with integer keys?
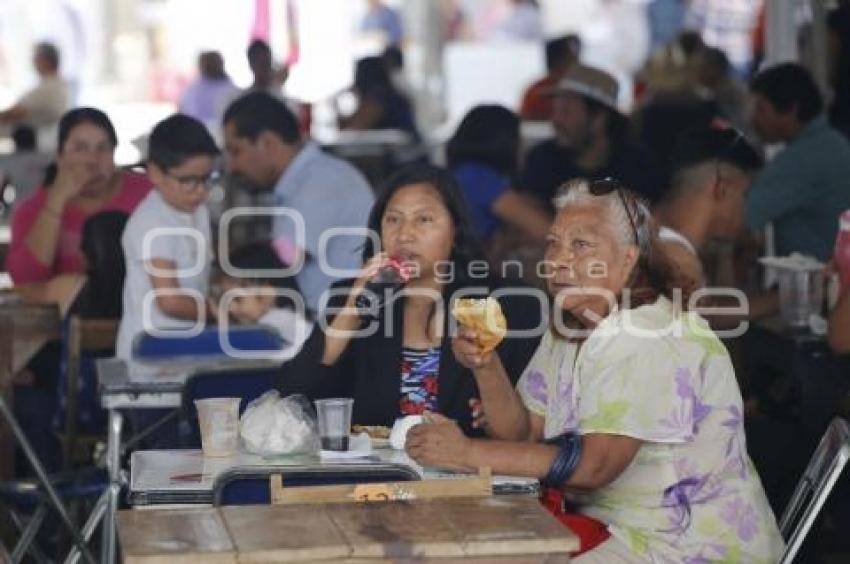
[
  {"x": 190, "y": 183},
  {"x": 608, "y": 185}
]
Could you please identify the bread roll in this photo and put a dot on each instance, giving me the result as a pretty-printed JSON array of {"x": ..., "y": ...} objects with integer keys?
[{"x": 485, "y": 317}]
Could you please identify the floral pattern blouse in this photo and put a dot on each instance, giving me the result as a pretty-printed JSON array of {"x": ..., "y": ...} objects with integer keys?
[
  {"x": 691, "y": 494},
  {"x": 420, "y": 380}
]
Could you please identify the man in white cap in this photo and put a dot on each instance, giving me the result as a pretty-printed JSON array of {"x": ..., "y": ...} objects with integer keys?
[{"x": 591, "y": 140}]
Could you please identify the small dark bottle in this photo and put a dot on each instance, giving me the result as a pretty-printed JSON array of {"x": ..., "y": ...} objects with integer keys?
[{"x": 388, "y": 281}]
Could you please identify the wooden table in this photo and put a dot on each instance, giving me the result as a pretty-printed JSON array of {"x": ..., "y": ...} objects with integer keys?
[
  {"x": 24, "y": 329},
  {"x": 501, "y": 529}
]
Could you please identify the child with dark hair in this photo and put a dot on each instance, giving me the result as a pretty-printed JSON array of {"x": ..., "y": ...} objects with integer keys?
[
  {"x": 24, "y": 139},
  {"x": 96, "y": 293},
  {"x": 167, "y": 243},
  {"x": 257, "y": 291}
]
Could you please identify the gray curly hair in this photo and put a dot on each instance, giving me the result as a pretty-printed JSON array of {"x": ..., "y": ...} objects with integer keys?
[
  {"x": 619, "y": 205},
  {"x": 653, "y": 274}
]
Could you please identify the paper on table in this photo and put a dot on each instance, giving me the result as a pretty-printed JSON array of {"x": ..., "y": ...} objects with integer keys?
[
  {"x": 434, "y": 473},
  {"x": 138, "y": 371},
  {"x": 173, "y": 369},
  {"x": 188, "y": 470},
  {"x": 173, "y": 470},
  {"x": 794, "y": 261}
]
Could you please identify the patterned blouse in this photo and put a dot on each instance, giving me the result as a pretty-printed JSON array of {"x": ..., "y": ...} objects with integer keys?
[
  {"x": 691, "y": 494},
  {"x": 420, "y": 369}
]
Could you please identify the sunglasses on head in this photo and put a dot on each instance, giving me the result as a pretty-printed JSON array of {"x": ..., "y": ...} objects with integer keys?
[{"x": 606, "y": 186}]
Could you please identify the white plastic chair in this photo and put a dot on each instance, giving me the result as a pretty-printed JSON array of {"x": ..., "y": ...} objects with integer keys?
[{"x": 814, "y": 487}]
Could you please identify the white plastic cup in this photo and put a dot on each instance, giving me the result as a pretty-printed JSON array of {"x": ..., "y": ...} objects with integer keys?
[
  {"x": 800, "y": 295},
  {"x": 219, "y": 422},
  {"x": 334, "y": 422}
]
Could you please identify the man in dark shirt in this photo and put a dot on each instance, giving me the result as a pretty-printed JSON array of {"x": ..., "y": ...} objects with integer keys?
[{"x": 591, "y": 140}]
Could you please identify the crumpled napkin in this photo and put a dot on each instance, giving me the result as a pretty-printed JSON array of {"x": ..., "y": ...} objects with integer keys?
[
  {"x": 794, "y": 261},
  {"x": 398, "y": 436},
  {"x": 272, "y": 426}
]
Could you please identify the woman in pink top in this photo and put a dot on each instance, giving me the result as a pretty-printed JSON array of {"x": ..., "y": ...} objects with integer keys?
[{"x": 47, "y": 227}]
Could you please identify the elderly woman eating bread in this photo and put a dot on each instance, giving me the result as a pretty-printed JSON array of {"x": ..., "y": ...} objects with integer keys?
[{"x": 629, "y": 408}]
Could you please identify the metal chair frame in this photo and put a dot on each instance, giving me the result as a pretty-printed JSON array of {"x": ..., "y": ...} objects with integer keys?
[
  {"x": 815, "y": 485},
  {"x": 51, "y": 500}
]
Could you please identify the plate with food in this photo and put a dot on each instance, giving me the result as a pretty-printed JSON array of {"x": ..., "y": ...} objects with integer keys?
[{"x": 379, "y": 434}]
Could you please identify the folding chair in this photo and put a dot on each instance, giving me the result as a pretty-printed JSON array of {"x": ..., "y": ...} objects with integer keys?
[
  {"x": 209, "y": 342},
  {"x": 45, "y": 494},
  {"x": 253, "y": 486},
  {"x": 814, "y": 487},
  {"x": 85, "y": 339}
]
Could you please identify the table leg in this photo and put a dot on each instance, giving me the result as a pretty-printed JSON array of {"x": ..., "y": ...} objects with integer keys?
[
  {"x": 96, "y": 516},
  {"x": 113, "y": 463},
  {"x": 7, "y": 443}
]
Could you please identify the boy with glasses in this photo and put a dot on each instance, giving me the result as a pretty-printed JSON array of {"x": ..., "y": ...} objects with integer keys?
[{"x": 167, "y": 243}]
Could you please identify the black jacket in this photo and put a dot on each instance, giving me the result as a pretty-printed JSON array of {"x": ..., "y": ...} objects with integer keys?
[{"x": 370, "y": 368}]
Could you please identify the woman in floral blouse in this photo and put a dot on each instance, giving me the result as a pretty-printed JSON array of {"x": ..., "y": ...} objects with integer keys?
[{"x": 630, "y": 405}]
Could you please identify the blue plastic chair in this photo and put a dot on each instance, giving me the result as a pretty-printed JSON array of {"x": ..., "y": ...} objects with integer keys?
[{"x": 209, "y": 342}]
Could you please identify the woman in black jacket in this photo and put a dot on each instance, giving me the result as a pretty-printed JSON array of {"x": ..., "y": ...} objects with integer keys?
[{"x": 401, "y": 361}]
